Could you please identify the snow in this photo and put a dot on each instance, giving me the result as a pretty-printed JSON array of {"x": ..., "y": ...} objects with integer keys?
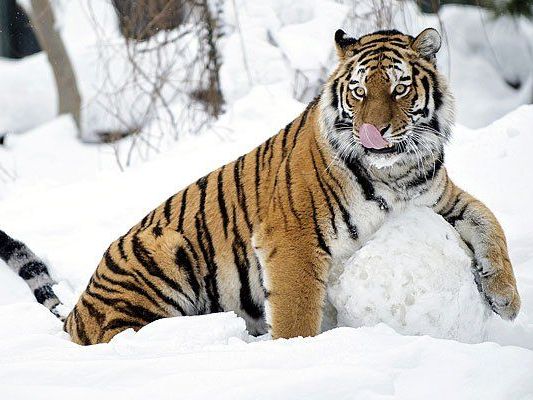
[
  {"x": 369, "y": 363},
  {"x": 410, "y": 328}
]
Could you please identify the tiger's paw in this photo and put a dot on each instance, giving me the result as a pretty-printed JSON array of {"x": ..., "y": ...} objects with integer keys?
[{"x": 499, "y": 289}]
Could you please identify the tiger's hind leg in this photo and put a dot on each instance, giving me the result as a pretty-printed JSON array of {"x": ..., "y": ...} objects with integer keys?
[
  {"x": 88, "y": 325},
  {"x": 111, "y": 304},
  {"x": 147, "y": 276}
]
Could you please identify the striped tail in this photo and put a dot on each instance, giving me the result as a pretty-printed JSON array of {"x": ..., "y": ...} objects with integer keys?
[{"x": 30, "y": 268}]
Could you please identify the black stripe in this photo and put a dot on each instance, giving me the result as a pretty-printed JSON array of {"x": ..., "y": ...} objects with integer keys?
[
  {"x": 326, "y": 195},
  {"x": 200, "y": 306},
  {"x": 126, "y": 307},
  {"x": 425, "y": 84},
  {"x": 428, "y": 176},
  {"x": 241, "y": 196},
  {"x": 428, "y": 71},
  {"x": 387, "y": 39},
  {"x": 183, "y": 261},
  {"x": 32, "y": 269},
  {"x": 368, "y": 188},
  {"x": 190, "y": 247},
  {"x": 437, "y": 94},
  {"x": 446, "y": 212},
  {"x": 244, "y": 196},
  {"x": 285, "y": 135},
  {"x": 434, "y": 123},
  {"x": 453, "y": 214},
  {"x": 257, "y": 179},
  {"x": 8, "y": 246},
  {"x": 132, "y": 288},
  {"x": 44, "y": 293},
  {"x": 151, "y": 266},
  {"x": 113, "y": 266},
  {"x": 458, "y": 217},
  {"x": 121, "y": 248},
  {"x": 93, "y": 311},
  {"x": 343, "y": 102},
  {"x": 334, "y": 96},
  {"x": 152, "y": 216},
  {"x": 167, "y": 210},
  {"x": 266, "y": 147},
  {"x": 274, "y": 139},
  {"x": 205, "y": 243},
  {"x": 122, "y": 324},
  {"x": 182, "y": 210},
  {"x": 208, "y": 256},
  {"x": 104, "y": 288},
  {"x": 143, "y": 221},
  {"x": 163, "y": 297},
  {"x": 222, "y": 202},
  {"x": 80, "y": 328},
  {"x": 242, "y": 263},
  {"x": 148, "y": 219},
  {"x": 319, "y": 236},
  {"x": 157, "y": 230},
  {"x": 361, "y": 56}
]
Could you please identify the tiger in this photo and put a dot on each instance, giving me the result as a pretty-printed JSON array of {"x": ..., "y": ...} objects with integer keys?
[{"x": 261, "y": 235}]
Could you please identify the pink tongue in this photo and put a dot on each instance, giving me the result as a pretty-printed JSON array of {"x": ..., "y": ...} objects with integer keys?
[{"x": 371, "y": 138}]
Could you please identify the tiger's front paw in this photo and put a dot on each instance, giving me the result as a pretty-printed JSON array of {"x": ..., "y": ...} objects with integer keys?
[{"x": 499, "y": 289}]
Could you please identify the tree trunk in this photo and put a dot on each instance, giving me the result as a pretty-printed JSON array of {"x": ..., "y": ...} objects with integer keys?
[{"x": 69, "y": 100}]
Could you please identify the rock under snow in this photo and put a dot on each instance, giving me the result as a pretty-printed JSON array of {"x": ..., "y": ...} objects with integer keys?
[{"x": 414, "y": 276}]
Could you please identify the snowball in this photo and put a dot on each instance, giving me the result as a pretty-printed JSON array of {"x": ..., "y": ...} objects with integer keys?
[{"x": 414, "y": 276}]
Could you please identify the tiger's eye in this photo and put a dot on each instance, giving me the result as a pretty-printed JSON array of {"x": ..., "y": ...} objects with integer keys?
[
  {"x": 400, "y": 89},
  {"x": 359, "y": 91}
]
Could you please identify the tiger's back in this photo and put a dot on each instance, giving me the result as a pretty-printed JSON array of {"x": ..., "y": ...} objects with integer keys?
[{"x": 193, "y": 254}]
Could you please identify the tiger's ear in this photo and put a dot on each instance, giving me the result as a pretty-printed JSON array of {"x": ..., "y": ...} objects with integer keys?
[
  {"x": 343, "y": 42},
  {"x": 427, "y": 43}
]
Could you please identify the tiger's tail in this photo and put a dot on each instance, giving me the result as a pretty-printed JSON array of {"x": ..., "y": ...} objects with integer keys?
[{"x": 32, "y": 269}]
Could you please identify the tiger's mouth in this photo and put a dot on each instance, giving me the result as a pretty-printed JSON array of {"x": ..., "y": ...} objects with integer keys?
[{"x": 394, "y": 148}]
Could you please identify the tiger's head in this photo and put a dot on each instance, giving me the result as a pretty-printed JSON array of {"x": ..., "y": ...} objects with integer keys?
[{"x": 386, "y": 101}]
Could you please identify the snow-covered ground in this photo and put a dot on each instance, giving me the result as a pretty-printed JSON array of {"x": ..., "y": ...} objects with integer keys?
[{"x": 69, "y": 200}]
